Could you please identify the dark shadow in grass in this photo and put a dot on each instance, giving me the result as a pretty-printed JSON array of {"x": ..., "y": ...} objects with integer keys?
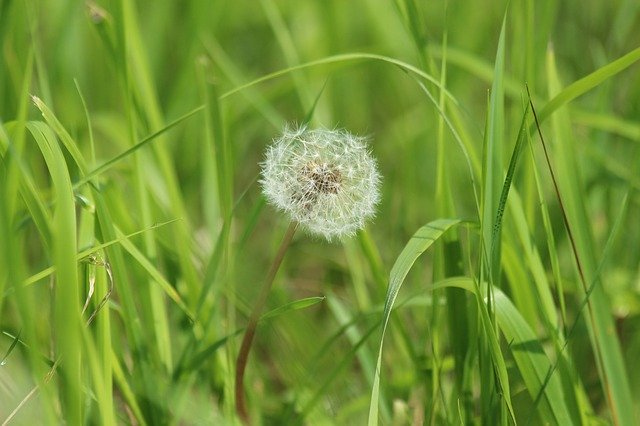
[{"x": 530, "y": 346}]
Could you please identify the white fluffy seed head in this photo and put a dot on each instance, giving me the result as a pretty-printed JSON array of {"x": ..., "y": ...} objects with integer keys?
[{"x": 326, "y": 180}]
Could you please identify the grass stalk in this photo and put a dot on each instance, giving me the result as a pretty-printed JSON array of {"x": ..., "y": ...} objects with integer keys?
[{"x": 247, "y": 339}]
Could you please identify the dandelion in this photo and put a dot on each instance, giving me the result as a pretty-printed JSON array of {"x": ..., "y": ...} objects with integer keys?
[{"x": 326, "y": 180}]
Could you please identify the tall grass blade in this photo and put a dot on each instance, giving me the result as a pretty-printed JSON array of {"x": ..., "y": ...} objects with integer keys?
[
  {"x": 419, "y": 242},
  {"x": 570, "y": 193},
  {"x": 493, "y": 165},
  {"x": 531, "y": 359},
  {"x": 563, "y": 96},
  {"x": 67, "y": 309}
]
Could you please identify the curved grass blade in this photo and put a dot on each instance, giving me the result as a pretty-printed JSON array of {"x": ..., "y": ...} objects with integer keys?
[
  {"x": 483, "y": 70},
  {"x": 347, "y": 57},
  {"x": 62, "y": 133},
  {"x": 340, "y": 366},
  {"x": 506, "y": 187},
  {"x": 16, "y": 339},
  {"x": 569, "y": 192},
  {"x": 533, "y": 363},
  {"x": 493, "y": 165},
  {"x": 309, "y": 116},
  {"x": 36, "y": 206},
  {"x": 419, "y": 242},
  {"x": 110, "y": 163},
  {"x": 469, "y": 156},
  {"x": 207, "y": 352},
  {"x": 85, "y": 253},
  {"x": 292, "y": 306},
  {"x": 203, "y": 355},
  {"x": 153, "y": 272},
  {"x": 67, "y": 311},
  {"x": 531, "y": 360},
  {"x": 587, "y": 83}
]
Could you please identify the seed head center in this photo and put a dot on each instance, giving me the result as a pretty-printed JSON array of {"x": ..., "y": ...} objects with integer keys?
[{"x": 324, "y": 177}]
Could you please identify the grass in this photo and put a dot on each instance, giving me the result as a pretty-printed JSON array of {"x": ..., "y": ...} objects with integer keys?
[{"x": 498, "y": 283}]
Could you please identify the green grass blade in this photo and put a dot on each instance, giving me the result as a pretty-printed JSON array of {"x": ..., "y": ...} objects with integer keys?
[
  {"x": 94, "y": 249},
  {"x": 15, "y": 341},
  {"x": 506, "y": 187},
  {"x": 365, "y": 356},
  {"x": 287, "y": 45},
  {"x": 493, "y": 165},
  {"x": 312, "y": 109},
  {"x": 145, "y": 141},
  {"x": 153, "y": 272},
  {"x": 125, "y": 389},
  {"x": 564, "y": 96},
  {"x": 606, "y": 345},
  {"x": 67, "y": 310},
  {"x": 204, "y": 355},
  {"x": 340, "y": 366},
  {"x": 533, "y": 363},
  {"x": 421, "y": 241},
  {"x": 531, "y": 359},
  {"x": 340, "y": 59},
  {"x": 62, "y": 133},
  {"x": 292, "y": 306}
]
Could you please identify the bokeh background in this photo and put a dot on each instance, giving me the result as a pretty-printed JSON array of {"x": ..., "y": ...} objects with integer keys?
[{"x": 163, "y": 346}]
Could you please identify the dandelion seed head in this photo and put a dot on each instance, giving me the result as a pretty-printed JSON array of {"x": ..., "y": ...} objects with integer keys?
[{"x": 326, "y": 180}]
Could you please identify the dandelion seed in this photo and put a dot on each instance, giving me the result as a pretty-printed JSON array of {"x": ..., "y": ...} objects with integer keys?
[{"x": 326, "y": 180}]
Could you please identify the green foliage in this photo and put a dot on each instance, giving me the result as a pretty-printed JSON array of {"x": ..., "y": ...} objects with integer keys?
[{"x": 134, "y": 236}]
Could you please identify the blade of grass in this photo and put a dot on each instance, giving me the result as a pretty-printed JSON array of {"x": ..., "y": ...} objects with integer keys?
[
  {"x": 236, "y": 76},
  {"x": 67, "y": 310},
  {"x": 127, "y": 392},
  {"x": 36, "y": 206},
  {"x": 292, "y": 306},
  {"x": 62, "y": 133},
  {"x": 146, "y": 95},
  {"x": 365, "y": 356},
  {"x": 15, "y": 341},
  {"x": 421, "y": 241},
  {"x": 145, "y": 141},
  {"x": 95, "y": 249},
  {"x": 287, "y": 45},
  {"x": 98, "y": 273},
  {"x": 340, "y": 366},
  {"x": 491, "y": 365},
  {"x": 532, "y": 362},
  {"x": 564, "y": 96},
  {"x": 153, "y": 272},
  {"x": 97, "y": 345},
  {"x": 617, "y": 226},
  {"x": 15, "y": 181},
  {"x": 132, "y": 327},
  {"x": 338, "y": 59},
  {"x": 570, "y": 196},
  {"x": 531, "y": 359},
  {"x": 493, "y": 167}
]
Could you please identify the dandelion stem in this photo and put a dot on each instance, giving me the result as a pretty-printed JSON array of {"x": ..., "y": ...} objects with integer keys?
[{"x": 250, "y": 332}]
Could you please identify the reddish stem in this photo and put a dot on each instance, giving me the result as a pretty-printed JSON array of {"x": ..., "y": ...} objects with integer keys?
[{"x": 250, "y": 332}]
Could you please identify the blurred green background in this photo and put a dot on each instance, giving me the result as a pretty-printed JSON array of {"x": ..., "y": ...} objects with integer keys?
[{"x": 162, "y": 349}]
